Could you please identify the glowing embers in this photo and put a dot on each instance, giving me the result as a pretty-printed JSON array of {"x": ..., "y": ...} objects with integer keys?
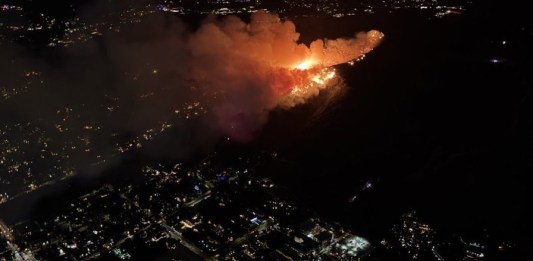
[
  {"x": 318, "y": 79},
  {"x": 323, "y": 77}
]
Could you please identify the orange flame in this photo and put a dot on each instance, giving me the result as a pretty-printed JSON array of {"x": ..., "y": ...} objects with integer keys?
[{"x": 306, "y": 65}]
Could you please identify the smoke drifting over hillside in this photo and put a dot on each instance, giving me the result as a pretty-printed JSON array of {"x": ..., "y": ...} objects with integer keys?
[
  {"x": 117, "y": 91},
  {"x": 77, "y": 104},
  {"x": 258, "y": 66}
]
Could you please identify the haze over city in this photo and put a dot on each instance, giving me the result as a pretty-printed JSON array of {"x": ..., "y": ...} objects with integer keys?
[{"x": 265, "y": 130}]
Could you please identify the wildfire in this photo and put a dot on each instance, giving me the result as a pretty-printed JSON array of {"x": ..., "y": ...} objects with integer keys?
[
  {"x": 317, "y": 79},
  {"x": 305, "y": 65},
  {"x": 260, "y": 65},
  {"x": 324, "y": 77}
]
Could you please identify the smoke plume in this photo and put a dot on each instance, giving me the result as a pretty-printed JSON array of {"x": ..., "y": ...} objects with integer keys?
[
  {"x": 154, "y": 85},
  {"x": 252, "y": 68}
]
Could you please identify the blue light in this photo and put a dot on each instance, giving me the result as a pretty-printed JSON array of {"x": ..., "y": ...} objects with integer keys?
[{"x": 255, "y": 220}]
